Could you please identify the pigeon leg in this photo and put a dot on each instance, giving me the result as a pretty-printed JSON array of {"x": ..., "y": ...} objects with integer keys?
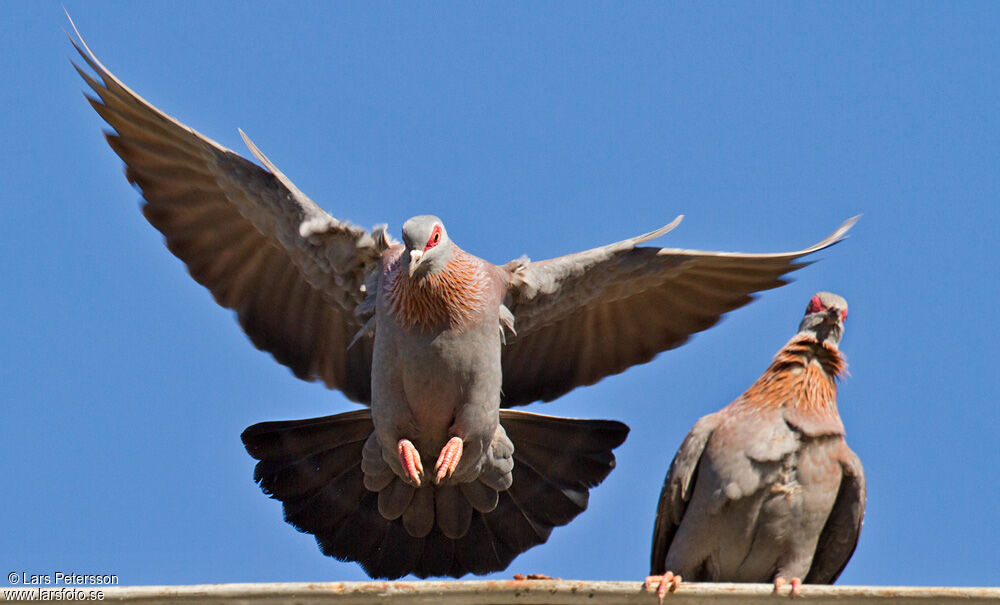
[
  {"x": 447, "y": 461},
  {"x": 409, "y": 457},
  {"x": 796, "y": 583},
  {"x": 667, "y": 580}
]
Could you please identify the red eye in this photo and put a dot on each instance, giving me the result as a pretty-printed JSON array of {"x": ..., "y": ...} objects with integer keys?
[
  {"x": 434, "y": 238},
  {"x": 815, "y": 305},
  {"x": 843, "y": 315}
]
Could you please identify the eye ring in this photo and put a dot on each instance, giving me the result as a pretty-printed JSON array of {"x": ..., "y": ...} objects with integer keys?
[
  {"x": 434, "y": 239},
  {"x": 815, "y": 305}
]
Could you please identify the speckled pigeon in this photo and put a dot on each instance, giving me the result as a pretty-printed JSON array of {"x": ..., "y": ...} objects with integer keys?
[
  {"x": 435, "y": 479},
  {"x": 766, "y": 489}
]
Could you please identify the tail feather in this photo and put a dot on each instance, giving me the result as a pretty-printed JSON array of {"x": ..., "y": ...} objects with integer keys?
[
  {"x": 398, "y": 554},
  {"x": 570, "y": 450},
  {"x": 438, "y": 558},
  {"x": 333, "y": 504},
  {"x": 395, "y": 499},
  {"x": 585, "y": 468},
  {"x": 550, "y": 501},
  {"x": 452, "y": 511},
  {"x": 477, "y": 551},
  {"x": 482, "y": 497},
  {"x": 419, "y": 516},
  {"x": 361, "y": 534},
  {"x": 314, "y": 467},
  {"x": 517, "y": 528},
  {"x": 297, "y": 478},
  {"x": 287, "y": 439}
]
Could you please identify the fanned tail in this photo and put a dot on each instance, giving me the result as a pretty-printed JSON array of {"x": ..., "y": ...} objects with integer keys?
[{"x": 314, "y": 468}]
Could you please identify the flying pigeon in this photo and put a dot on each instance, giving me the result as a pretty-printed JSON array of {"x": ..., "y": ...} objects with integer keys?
[
  {"x": 766, "y": 489},
  {"x": 434, "y": 478}
]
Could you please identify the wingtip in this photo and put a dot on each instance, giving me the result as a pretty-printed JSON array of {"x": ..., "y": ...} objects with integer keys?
[
  {"x": 669, "y": 226},
  {"x": 850, "y": 223},
  {"x": 841, "y": 232},
  {"x": 81, "y": 46},
  {"x": 78, "y": 35},
  {"x": 268, "y": 164},
  {"x": 659, "y": 232},
  {"x": 839, "y": 235},
  {"x": 66, "y": 11},
  {"x": 257, "y": 153}
]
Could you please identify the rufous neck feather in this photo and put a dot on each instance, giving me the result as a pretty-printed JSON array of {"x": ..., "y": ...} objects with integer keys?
[
  {"x": 450, "y": 298},
  {"x": 803, "y": 375}
]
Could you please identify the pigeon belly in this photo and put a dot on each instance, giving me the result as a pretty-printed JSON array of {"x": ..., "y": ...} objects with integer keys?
[
  {"x": 791, "y": 508},
  {"x": 762, "y": 496},
  {"x": 449, "y": 382},
  {"x": 431, "y": 383}
]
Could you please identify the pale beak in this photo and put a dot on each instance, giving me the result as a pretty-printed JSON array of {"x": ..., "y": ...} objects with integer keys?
[{"x": 415, "y": 257}]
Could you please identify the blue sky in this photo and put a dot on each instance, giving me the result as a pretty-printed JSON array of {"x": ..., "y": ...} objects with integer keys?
[{"x": 535, "y": 130}]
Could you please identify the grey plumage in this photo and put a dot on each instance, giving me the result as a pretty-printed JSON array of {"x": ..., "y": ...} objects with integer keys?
[
  {"x": 767, "y": 489},
  {"x": 435, "y": 339}
]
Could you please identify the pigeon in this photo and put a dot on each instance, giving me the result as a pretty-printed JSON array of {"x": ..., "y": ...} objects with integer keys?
[
  {"x": 766, "y": 489},
  {"x": 437, "y": 476}
]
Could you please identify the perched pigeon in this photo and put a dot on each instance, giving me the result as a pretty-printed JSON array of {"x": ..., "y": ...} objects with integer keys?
[
  {"x": 435, "y": 479},
  {"x": 766, "y": 489}
]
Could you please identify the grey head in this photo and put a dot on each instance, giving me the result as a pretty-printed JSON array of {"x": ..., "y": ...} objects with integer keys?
[
  {"x": 825, "y": 317},
  {"x": 428, "y": 248}
]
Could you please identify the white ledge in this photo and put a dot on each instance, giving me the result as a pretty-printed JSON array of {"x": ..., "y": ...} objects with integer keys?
[{"x": 526, "y": 592}]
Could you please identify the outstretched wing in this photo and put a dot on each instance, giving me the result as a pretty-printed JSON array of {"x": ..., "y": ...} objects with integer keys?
[
  {"x": 591, "y": 314},
  {"x": 292, "y": 272}
]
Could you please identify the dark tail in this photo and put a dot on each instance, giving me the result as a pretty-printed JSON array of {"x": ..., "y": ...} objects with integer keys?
[{"x": 314, "y": 468}]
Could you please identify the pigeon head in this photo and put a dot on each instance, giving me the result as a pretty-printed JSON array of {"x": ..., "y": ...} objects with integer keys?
[
  {"x": 428, "y": 248},
  {"x": 825, "y": 317}
]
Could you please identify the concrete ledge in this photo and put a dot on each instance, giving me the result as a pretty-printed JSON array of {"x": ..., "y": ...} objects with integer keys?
[{"x": 526, "y": 592}]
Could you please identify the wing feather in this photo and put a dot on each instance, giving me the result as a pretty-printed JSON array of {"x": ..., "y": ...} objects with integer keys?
[
  {"x": 678, "y": 487},
  {"x": 592, "y": 314},
  {"x": 292, "y": 272},
  {"x": 843, "y": 527}
]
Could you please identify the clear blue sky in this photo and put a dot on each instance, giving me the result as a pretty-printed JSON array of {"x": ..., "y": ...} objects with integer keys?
[{"x": 535, "y": 130}]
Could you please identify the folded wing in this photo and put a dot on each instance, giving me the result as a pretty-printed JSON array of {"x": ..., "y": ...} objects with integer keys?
[
  {"x": 678, "y": 488},
  {"x": 843, "y": 526}
]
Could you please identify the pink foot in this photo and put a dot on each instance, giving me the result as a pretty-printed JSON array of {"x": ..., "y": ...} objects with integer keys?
[
  {"x": 447, "y": 461},
  {"x": 409, "y": 457},
  {"x": 796, "y": 583},
  {"x": 667, "y": 580}
]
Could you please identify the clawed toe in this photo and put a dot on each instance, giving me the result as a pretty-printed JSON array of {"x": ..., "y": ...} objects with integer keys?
[
  {"x": 796, "y": 583},
  {"x": 409, "y": 457},
  {"x": 668, "y": 581},
  {"x": 448, "y": 460}
]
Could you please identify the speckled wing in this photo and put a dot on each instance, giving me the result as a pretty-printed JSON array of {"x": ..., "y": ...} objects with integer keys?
[
  {"x": 678, "y": 487},
  {"x": 591, "y": 314},
  {"x": 843, "y": 526},
  {"x": 292, "y": 272}
]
